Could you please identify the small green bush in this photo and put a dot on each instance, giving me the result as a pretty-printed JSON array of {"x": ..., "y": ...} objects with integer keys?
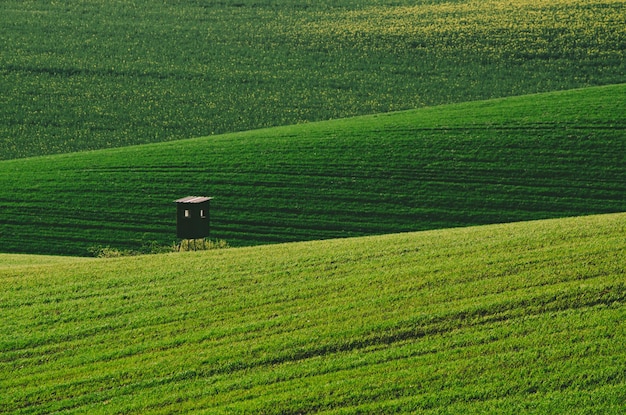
[
  {"x": 153, "y": 247},
  {"x": 200, "y": 245}
]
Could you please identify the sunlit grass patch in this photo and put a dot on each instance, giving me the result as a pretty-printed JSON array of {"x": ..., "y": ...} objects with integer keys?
[{"x": 499, "y": 318}]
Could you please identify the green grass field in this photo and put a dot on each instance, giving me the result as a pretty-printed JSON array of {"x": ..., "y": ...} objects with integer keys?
[
  {"x": 522, "y": 158},
  {"x": 13, "y": 260},
  {"x": 507, "y": 319},
  {"x": 100, "y": 73},
  {"x": 328, "y": 133}
]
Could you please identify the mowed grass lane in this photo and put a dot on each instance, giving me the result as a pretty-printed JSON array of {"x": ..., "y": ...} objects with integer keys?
[
  {"x": 512, "y": 318},
  {"x": 540, "y": 156},
  {"x": 98, "y": 74}
]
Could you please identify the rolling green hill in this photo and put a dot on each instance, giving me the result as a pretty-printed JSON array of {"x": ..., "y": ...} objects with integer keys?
[
  {"x": 522, "y": 158},
  {"x": 507, "y": 319},
  {"x": 13, "y": 260},
  {"x": 92, "y": 74}
]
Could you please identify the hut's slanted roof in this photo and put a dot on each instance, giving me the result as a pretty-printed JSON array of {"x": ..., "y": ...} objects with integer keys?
[{"x": 193, "y": 199}]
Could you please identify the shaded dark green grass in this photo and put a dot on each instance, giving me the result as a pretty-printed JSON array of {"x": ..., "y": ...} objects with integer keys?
[
  {"x": 99, "y": 74},
  {"x": 513, "y": 318},
  {"x": 539, "y": 156}
]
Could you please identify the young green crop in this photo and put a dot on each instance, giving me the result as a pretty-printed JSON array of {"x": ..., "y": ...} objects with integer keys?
[
  {"x": 100, "y": 73},
  {"x": 531, "y": 157},
  {"x": 524, "y": 317},
  {"x": 9, "y": 260}
]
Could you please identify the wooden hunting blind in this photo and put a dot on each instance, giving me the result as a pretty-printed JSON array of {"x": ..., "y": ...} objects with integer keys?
[{"x": 192, "y": 217}]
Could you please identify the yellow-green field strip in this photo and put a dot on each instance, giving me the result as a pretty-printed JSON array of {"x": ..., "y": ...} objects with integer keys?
[{"x": 516, "y": 318}]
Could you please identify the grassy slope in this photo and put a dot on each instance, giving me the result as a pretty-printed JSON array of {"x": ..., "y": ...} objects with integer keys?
[
  {"x": 12, "y": 260},
  {"x": 512, "y": 318},
  {"x": 531, "y": 157},
  {"x": 97, "y": 74}
]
